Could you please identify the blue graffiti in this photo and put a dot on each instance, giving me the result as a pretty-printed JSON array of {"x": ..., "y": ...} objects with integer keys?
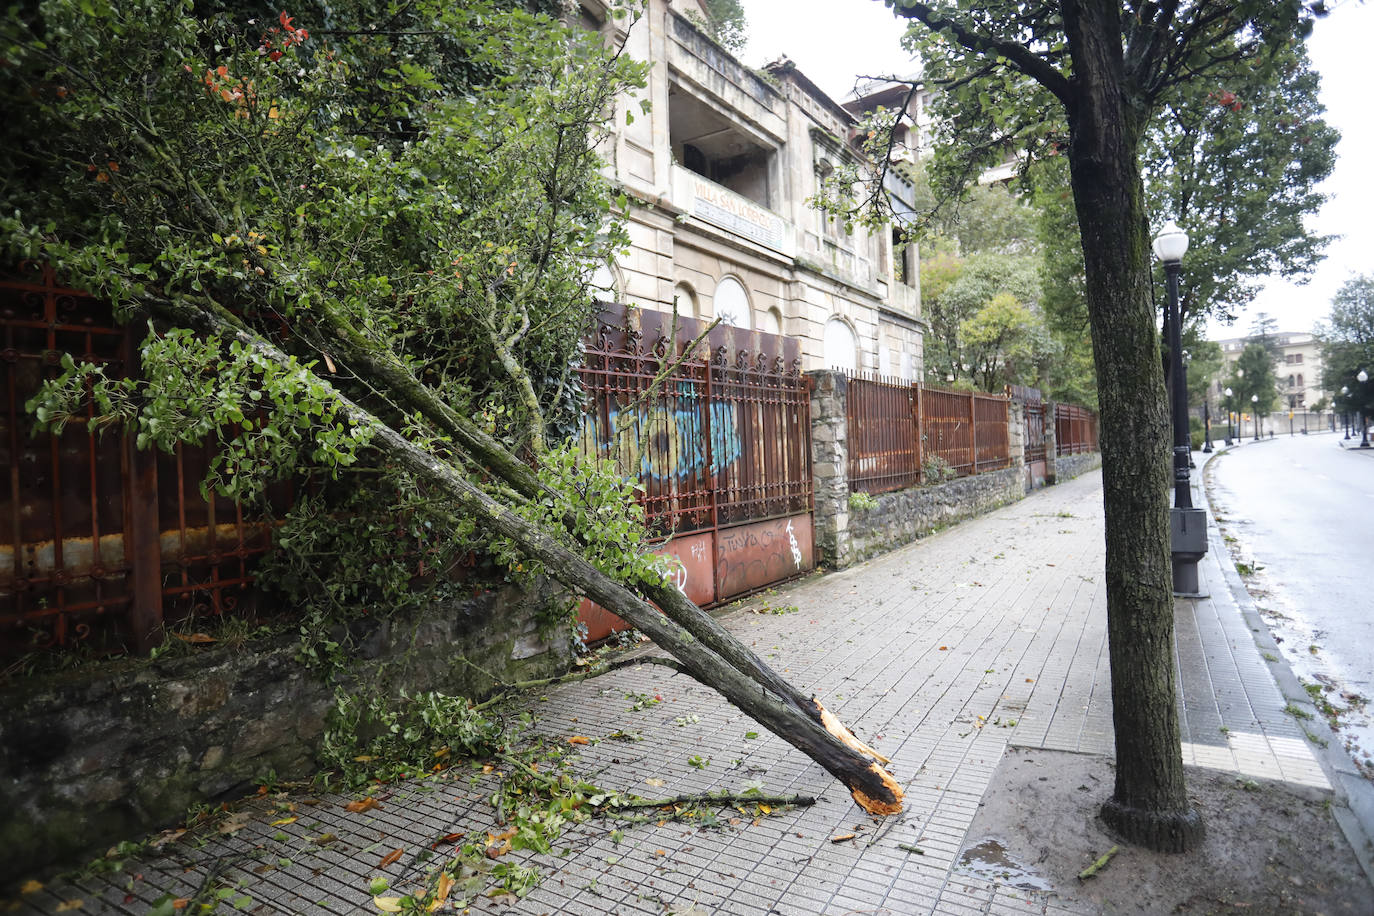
[{"x": 667, "y": 442}]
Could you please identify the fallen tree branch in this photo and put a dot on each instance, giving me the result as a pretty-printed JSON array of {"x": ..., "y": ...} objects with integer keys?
[
  {"x": 1097, "y": 866},
  {"x": 505, "y": 691},
  {"x": 725, "y": 798},
  {"x": 753, "y": 692}
]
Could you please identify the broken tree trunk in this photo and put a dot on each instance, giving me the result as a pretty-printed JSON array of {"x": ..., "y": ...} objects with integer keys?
[
  {"x": 379, "y": 363},
  {"x": 731, "y": 670}
]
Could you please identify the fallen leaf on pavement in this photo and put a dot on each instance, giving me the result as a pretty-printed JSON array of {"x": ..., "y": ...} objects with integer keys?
[
  {"x": 843, "y": 837},
  {"x": 445, "y": 886},
  {"x": 654, "y": 781},
  {"x": 447, "y": 838},
  {"x": 391, "y": 858},
  {"x": 387, "y": 904},
  {"x": 234, "y": 823},
  {"x": 194, "y": 637},
  {"x": 284, "y": 821},
  {"x": 31, "y": 887},
  {"x": 579, "y": 739},
  {"x": 357, "y": 806},
  {"x": 67, "y": 906}
]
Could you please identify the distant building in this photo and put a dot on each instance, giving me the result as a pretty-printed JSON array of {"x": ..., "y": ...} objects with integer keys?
[
  {"x": 1298, "y": 367},
  {"x": 720, "y": 168}
]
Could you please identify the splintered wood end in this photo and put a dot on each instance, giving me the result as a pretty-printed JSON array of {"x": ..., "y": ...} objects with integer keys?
[
  {"x": 877, "y": 806},
  {"x": 839, "y": 730}
]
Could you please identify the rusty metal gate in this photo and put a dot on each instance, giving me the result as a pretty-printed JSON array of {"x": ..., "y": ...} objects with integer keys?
[
  {"x": 722, "y": 449},
  {"x": 101, "y": 541}
]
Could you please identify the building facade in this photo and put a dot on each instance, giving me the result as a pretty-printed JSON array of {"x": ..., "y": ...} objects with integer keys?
[
  {"x": 1297, "y": 368},
  {"x": 720, "y": 166}
]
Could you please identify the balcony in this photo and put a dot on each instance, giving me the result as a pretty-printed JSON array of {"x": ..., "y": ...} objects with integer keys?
[{"x": 723, "y": 208}]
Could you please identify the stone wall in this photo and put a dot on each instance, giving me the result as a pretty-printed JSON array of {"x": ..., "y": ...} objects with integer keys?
[
  {"x": 1067, "y": 467},
  {"x": 905, "y": 515},
  {"x": 106, "y": 752}
]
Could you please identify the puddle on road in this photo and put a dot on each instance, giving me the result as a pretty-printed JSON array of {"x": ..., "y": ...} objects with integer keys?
[{"x": 991, "y": 861}]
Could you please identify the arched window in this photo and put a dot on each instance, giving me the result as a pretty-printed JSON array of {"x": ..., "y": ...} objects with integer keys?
[
  {"x": 731, "y": 304},
  {"x": 687, "y": 305},
  {"x": 603, "y": 286},
  {"x": 840, "y": 346},
  {"x": 772, "y": 321}
]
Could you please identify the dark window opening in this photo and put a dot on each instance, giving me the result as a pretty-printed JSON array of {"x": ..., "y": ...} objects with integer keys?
[{"x": 711, "y": 145}]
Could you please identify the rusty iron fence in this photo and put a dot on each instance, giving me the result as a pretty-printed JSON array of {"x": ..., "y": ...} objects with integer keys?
[
  {"x": 725, "y": 438},
  {"x": 104, "y": 545},
  {"x": 896, "y": 428},
  {"x": 1075, "y": 430},
  {"x": 719, "y": 439},
  {"x": 102, "y": 542},
  {"x": 884, "y": 449}
]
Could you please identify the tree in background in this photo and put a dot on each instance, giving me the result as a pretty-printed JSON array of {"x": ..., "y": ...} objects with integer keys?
[
  {"x": 1003, "y": 342},
  {"x": 1254, "y": 377},
  {"x": 1204, "y": 363},
  {"x": 1348, "y": 345},
  {"x": 1085, "y": 79},
  {"x": 725, "y": 22},
  {"x": 363, "y": 248},
  {"x": 980, "y": 291},
  {"x": 1236, "y": 159},
  {"x": 965, "y": 305}
]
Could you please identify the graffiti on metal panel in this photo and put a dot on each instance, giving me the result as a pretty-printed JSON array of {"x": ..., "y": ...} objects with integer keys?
[
  {"x": 659, "y": 442},
  {"x": 674, "y": 571},
  {"x": 758, "y": 554}
]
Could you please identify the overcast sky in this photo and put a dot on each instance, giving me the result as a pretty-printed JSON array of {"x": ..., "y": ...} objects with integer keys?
[{"x": 832, "y": 41}]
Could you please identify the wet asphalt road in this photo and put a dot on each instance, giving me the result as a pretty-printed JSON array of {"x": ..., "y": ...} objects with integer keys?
[{"x": 1302, "y": 508}]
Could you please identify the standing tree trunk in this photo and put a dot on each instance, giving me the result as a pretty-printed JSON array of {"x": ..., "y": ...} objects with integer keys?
[{"x": 1150, "y": 803}]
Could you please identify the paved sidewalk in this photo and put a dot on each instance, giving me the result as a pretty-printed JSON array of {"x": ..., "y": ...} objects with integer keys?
[{"x": 930, "y": 653}]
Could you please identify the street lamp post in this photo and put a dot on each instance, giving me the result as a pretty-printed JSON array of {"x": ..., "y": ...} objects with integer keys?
[
  {"x": 1170, "y": 246},
  {"x": 1207, "y": 422},
  {"x": 1254, "y": 409},
  {"x": 1187, "y": 525},
  {"x": 1364, "y": 421},
  {"x": 1345, "y": 414},
  {"x": 1228, "y": 416}
]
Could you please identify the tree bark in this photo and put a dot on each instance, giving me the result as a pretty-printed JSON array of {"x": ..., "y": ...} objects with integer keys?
[
  {"x": 757, "y": 691},
  {"x": 1150, "y": 804}
]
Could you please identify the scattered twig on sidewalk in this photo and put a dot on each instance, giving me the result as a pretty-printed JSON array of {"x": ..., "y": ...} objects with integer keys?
[
  {"x": 777, "y": 801},
  {"x": 1097, "y": 866},
  {"x": 505, "y": 691},
  {"x": 909, "y": 848}
]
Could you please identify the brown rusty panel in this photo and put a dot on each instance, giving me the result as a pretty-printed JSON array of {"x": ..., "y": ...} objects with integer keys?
[
  {"x": 759, "y": 554},
  {"x": 599, "y": 622},
  {"x": 691, "y": 571}
]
